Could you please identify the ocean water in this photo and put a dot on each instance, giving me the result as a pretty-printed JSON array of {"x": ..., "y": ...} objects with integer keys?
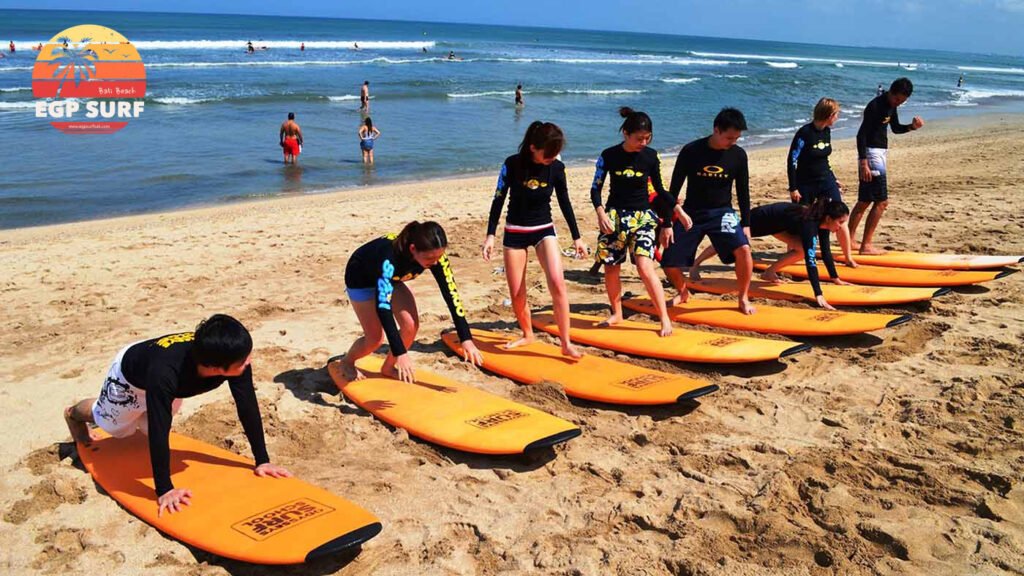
[{"x": 209, "y": 133}]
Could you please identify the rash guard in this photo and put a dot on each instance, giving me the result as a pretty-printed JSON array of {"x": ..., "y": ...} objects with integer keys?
[
  {"x": 709, "y": 175},
  {"x": 873, "y": 133},
  {"x": 808, "y": 156},
  {"x": 529, "y": 189},
  {"x": 788, "y": 217},
  {"x": 629, "y": 173}
]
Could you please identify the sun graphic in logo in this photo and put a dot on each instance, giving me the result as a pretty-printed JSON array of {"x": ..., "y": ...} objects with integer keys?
[
  {"x": 532, "y": 184},
  {"x": 628, "y": 173},
  {"x": 91, "y": 63}
]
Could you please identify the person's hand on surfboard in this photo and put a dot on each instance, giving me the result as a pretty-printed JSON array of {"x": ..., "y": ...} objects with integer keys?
[
  {"x": 488, "y": 247},
  {"x": 824, "y": 303},
  {"x": 471, "y": 354},
  {"x": 173, "y": 500},
  {"x": 268, "y": 470},
  {"x": 404, "y": 368}
]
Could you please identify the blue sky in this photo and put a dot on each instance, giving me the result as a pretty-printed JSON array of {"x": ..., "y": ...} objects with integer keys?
[{"x": 960, "y": 25}]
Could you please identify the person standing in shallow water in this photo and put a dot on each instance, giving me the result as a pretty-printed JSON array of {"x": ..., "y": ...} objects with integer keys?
[
  {"x": 290, "y": 137},
  {"x": 519, "y": 96},
  {"x": 364, "y": 97},
  {"x": 367, "y": 134},
  {"x": 528, "y": 179}
]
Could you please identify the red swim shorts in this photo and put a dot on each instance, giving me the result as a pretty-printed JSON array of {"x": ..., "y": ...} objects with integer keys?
[{"x": 291, "y": 146}]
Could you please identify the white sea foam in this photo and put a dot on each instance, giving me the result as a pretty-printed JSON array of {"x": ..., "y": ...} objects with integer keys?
[
  {"x": 280, "y": 44},
  {"x": 344, "y": 98},
  {"x": 583, "y": 92},
  {"x": 680, "y": 80},
  {"x": 17, "y": 89},
  {"x": 290, "y": 63},
  {"x": 16, "y": 105},
  {"x": 793, "y": 58},
  {"x": 782, "y": 64},
  {"x": 995, "y": 69},
  {"x": 181, "y": 100}
]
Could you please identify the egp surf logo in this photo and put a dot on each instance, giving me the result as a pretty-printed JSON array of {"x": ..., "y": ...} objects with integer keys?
[{"x": 89, "y": 79}]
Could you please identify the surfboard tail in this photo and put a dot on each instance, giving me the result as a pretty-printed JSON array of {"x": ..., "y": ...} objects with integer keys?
[
  {"x": 899, "y": 320},
  {"x": 795, "y": 350},
  {"x": 353, "y": 538},
  {"x": 553, "y": 439},
  {"x": 941, "y": 292},
  {"x": 1005, "y": 273},
  {"x": 694, "y": 394}
]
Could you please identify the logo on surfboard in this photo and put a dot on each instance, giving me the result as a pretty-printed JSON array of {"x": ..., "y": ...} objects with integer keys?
[
  {"x": 271, "y": 522},
  {"x": 492, "y": 420}
]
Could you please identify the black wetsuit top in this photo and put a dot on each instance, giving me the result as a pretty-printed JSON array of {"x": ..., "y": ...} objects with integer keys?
[
  {"x": 375, "y": 265},
  {"x": 808, "y": 156},
  {"x": 711, "y": 174},
  {"x": 872, "y": 133},
  {"x": 629, "y": 173},
  {"x": 788, "y": 217},
  {"x": 164, "y": 368},
  {"x": 529, "y": 202}
]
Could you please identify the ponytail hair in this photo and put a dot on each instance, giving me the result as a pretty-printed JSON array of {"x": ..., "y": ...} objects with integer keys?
[
  {"x": 542, "y": 136},
  {"x": 425, "y": 236},
  {"x": 825, "y": 208},
  {"x": 635, "y": 121},
  {"x": 368, "y": 123}
]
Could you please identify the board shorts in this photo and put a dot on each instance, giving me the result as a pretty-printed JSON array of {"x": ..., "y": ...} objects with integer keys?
[
  {"x": 366, "y": 144},
  {"x": 120, "y": 409},
  {"x": 721, "y": 225},
  {"x": 878, "y": 189},
  {"x": 827, "y": 187},
  {"x": 634, "y": 232},
  {"x": 291, "y": 146},
  {"x": 522, "y": 237},
  {"x": 361, "y": 294}
]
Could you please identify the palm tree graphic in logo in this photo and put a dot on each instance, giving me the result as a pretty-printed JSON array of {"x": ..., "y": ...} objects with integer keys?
[{"x": 77, "y": 63}]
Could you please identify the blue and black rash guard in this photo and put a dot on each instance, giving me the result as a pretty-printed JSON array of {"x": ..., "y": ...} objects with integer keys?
[
  {"x": 376, "y": 265},
  {"x": 808, "y": 156},
  {"x": 711, "y": 173},
  {"x": 165, "y": 369},
  {"x": 529, "y": 191},
  {"x": 628, "y": 174},
  {"x": 873, "y": 133},
  {"x": 788, "y": 217}
]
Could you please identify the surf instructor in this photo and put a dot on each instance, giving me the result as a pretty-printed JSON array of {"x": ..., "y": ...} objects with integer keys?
[{"x": 147, "y": 382}]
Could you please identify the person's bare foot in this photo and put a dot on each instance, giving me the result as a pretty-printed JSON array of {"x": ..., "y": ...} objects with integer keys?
[
  {"x": 570, "y": 351},
  {"x": 772, "y": 277},
  {"x": 525, "y": 340},
  {"x": 695, "y": 274},
  {"x": 680, "y": 298},
  {"x": 746, "y": 307},
  {"x": 343, "y": 372},
  {"x": 666, "y": 328},
  {"x": 870, "y": 250},
  {"x": 611, "y": 320},
  {"x": 79, "y": 430}
]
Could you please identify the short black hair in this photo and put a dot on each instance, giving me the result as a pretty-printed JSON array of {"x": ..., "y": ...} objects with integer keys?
[
  {"x": 902, "y": 86},
  {"x": 291, "y": 115},
  {"x": 367, "y": 82},
  {"x": 221, "y": 341},
  {"x": 729, "y": 119}
]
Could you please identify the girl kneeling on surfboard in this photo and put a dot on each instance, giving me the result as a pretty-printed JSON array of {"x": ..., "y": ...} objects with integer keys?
[
  {"x": 805, "y": 229},
  {"x": 145, "y": 386},
  {"x": 375, "y": 278},
  {"x": 528, "y": 179}
]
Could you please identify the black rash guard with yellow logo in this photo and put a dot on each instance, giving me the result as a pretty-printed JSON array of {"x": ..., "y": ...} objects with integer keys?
[
  {"x": 529, "y": 191},
  {"x": 376, "y": 265},
  {"x": 878, "y": 117},
  {"x": 711, "y": 174},
  {"x": 629, "y": 173},
  {"x": 165, "y": 369}
]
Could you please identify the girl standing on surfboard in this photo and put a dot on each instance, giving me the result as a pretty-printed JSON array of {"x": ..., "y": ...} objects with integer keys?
[
  {"x": 805, "y": 229},
  {"x": 628, "y": 222},
  {"x": 375, "y": 278},
  {"x": 528, "y": 179}
]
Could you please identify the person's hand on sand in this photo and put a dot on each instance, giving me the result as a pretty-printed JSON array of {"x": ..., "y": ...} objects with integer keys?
[
  {"x": 794, "y": 195},
  {"x": 173, "y": 501},
  {"x": 824, "y": 303},
  {"x": 404, "y": 369},
  {"x": 488, "y": 247},
  {"x": 471, "y": 354},
  {"x": 268, "y": 470},
  {"x": 916, "y": 123},
  {"x": 580, "y": 249}
]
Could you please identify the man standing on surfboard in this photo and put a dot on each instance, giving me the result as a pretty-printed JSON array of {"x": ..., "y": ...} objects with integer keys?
[
  {"x": 872, "y": 157},
  {"x": 711, "y": 165},
  {"x": 145, "y": 386}
]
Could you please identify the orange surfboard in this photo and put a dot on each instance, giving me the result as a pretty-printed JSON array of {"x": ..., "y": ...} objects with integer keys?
[
  {"x": 590, "y": 378},
  {"x": 234, "y": 513},
  {"x": 889, "y": 276},
  {"x": 641, "y": 339},
  {"x": 836, "y": 295},
  {"x": 772, "y": 319},
  {"x": 926, "y": 261},
  {"x": 450, "y": 414}
]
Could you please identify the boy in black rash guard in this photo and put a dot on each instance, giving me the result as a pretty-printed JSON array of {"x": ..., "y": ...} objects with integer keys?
[
  {"x": 628, "y": 223},
  {"x": 872, "y": 157},
  {"x": 529, "y": 178},
  {"x": 804, "y": 229},
  {"x": 147, "y": 381},
  {"x": 711, "y": 165},
  {"x": 808, "y": 168},
  {"x": 375, "y": 278}
]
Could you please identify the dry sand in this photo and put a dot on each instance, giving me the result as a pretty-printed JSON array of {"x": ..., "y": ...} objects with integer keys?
[{"x": 893, "y": 453}]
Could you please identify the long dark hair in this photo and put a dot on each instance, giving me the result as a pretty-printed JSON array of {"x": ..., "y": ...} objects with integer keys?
[
  {"x": 425, "y": 236},
  {"x": 542, "y": 136},
  {"x": 635, "y": 121},
  {"x": 368, "y": 123},
  {"x": 824, "y": 207}
]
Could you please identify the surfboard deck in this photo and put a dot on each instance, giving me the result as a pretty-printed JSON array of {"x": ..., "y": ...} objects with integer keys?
[
  {"x": 234, "y": 513},
  {"x": 836, "y": 295},
  {"x": 929, "y": 261},
  {"x": 642, "y": 339},
  {"x": 772, "y": 319},
  {"x": 444, "y": 412},
  {"x": 890, "y": 276},
  {"x": 590, "y": 378}
]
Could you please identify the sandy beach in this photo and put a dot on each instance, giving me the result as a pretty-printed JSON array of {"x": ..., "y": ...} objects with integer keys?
[{"x": 897, "y": 452}]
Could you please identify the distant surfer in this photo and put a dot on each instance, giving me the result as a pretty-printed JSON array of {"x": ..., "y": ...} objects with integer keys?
[
  {"x": 12, "y": 47},
  {"x": 290, "y": 137},
  {"x": 879, "y": 116},
  {"x": 145, "y": 387},
  {"x": 249, "y": 48},
  {"x": 364, "y": 97},
  {"x": 375, "y": 278},
  {"x": 879, "y": 91},
  {"x": 709, "y": 167},
  {"x": 805, "y": 229},
  {"x": 302, "y": 47},
  {"x": 519, "y": 96},
  {"x": 367, "y": 134},
  {"x": 528, "y": 179},
  {"x": 628, "y": 222},
  {"x": 960, "y": 82},
  {"x": 355, "y": 46}
]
